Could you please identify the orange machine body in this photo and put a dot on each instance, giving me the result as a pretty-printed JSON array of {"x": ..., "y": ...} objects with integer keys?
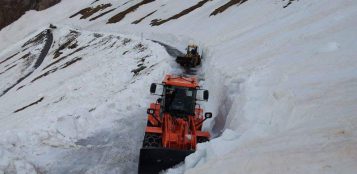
[
  {"x": 178, "y": 133},
  {"x": 174, "y": 124}
]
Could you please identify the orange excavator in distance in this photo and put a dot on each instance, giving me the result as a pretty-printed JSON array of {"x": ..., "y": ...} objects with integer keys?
[{"x": 174, "y": 125}]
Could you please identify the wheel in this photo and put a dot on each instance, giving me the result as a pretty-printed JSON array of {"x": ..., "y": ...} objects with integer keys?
[
  {"x": 149, "y": 124},
  {"x": 192, "y": 62},
  {"x": 152, "y": 140},
  {"x": 202, "y": 139}
]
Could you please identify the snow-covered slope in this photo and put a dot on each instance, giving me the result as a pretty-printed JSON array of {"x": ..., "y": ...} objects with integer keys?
[
  {"x": 283, "y": 85},
  {"x": 288, "y": 92},
  {"x": 77, "y": 105}
]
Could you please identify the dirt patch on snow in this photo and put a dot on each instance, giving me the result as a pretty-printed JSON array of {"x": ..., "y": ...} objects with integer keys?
[
  {"x": 224, "y": 7},
  {"x": 157, "y": 22},
  {"x": 131, "y": 9},
  {"x": 89, "y": 11}
]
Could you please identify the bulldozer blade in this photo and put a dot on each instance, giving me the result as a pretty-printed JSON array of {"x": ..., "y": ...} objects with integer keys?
[
  {"x": 154, "y": 160},
  {"x": 180, "y": 59},
  {"x": 183, "y": 61}
]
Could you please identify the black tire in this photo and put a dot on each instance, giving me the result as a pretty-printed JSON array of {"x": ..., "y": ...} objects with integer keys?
[
  {"x": 152, "y": 140},
  {"x": 149, "y": 124},
  {"x": 202, "y": 139}
]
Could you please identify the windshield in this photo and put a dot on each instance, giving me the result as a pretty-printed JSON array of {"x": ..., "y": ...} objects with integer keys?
[
  {"x": 192, "y": 50},
  {"x": 179, "y": 100}
]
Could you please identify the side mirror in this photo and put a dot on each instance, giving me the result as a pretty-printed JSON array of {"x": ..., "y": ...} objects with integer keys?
[
  {"x": 208, "y": 115},
  {"x": 205, "y": 94},
  {"x": 153, "y": 88},
  {"x": 159, "y": 100},
  {"x": 150, "y": 111}
]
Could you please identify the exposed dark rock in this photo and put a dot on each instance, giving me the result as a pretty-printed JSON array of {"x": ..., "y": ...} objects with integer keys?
[
  {"x": 102, "y": 14},
  {"x": 157, "y": 22},
  {"x": 11, "y": 10},
  {"x": 65, "y": 65},
  {"x": 137, "y": 70},
  {"x": 71, "y": 39},
  {"x": 9, "y": 58},
  {"x": 64, "y": 57},
  {"x": 139, "y": 20},
  {"x": 289, "y": 3},
  {"x": 8, "y": 69},
  {"x": 89, "y": 11},
  {"x": 31, "y": 104},
  {"x": 118, "y": 17},
  {"x": 226, "y": 6},
  {"x": 52, "y": 26}
]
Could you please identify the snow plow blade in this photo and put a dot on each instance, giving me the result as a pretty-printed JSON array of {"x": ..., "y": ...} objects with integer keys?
[
  {"x": 154, "y": 160},
  {"x": 188, "y": 61},
  {"x": 182, "y": 60}
]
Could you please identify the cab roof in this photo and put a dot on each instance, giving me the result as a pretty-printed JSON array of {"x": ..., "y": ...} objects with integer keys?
[
  {"x": 192, "y": 46},
  {"x": 173, "y": 80}
]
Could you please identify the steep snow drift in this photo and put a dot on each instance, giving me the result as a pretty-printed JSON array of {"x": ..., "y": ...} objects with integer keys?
[
  {"x": 287, "y": 95},
  {"x": 85, "y": 120},
  {"x": 282, "y": 80}
]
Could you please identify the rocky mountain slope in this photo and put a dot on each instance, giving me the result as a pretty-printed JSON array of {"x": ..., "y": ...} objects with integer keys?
[{"x": 11, "y": 10}]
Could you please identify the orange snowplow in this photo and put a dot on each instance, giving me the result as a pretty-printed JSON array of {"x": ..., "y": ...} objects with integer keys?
[{"x": 174, "y": 125}]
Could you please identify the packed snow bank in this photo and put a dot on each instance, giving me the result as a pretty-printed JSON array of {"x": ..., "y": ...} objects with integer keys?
[
  {"x": 87, "y": 120},
  {"x": 284, "y": 93}
]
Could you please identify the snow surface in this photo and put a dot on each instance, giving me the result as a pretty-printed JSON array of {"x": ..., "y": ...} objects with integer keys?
[
  {"x": 283, "y": 85},
  {"x": 86, "y": 114}
]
